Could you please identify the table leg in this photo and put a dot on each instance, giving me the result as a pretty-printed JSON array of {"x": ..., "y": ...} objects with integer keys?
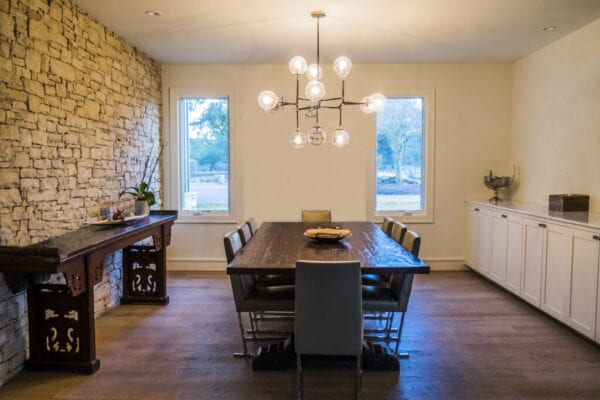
[
  {"x": 61, "y": 330},
  {"x": 144, "y": 275}
]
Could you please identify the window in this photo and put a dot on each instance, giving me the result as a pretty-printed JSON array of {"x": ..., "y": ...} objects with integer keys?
[
  {"x": 403, "y": 181},
  {"x": 201, "y": 161}
]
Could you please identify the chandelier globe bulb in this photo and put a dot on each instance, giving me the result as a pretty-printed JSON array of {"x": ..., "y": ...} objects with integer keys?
[
  {"x": 315, "y": 90},
  {"x": 298, "y": 65},
  {"x": 267, "y": 100},
  {"x": 317, "y": 136},
  {"x": 366, "y": 105},
  {"x": 342, "y": 66},
  {"x": 298, "y": 139},
  {"x": 378, "y": 102},
  {"x": 340, "y": 138},
  {"x": 314, "y": 72}
]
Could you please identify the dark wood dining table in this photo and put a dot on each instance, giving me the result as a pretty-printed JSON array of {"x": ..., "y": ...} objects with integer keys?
[{"x": 276, "y": 247}]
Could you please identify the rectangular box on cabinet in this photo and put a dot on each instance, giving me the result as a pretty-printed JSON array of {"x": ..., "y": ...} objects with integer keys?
[{"x": 569, "y": 202}]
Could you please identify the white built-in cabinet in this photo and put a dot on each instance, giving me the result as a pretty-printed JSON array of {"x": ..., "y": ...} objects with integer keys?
[
  {"x": 549, "y": 262},
  {"x": 533, "y": 249}
]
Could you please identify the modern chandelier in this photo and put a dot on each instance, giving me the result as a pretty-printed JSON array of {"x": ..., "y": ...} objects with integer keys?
[{"x": 315, "y": 98}]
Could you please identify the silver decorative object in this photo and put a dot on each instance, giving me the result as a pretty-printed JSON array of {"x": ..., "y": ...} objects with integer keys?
[{"x": 497, "y": 183}]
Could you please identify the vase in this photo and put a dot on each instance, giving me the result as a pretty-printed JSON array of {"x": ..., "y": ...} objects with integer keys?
[{"x": 142, "y": 207}]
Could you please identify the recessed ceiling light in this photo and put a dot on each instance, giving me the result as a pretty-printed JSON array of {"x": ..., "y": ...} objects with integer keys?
[
  {"x": 548, "y": 28},
  {"x": 153, "y": 13}
]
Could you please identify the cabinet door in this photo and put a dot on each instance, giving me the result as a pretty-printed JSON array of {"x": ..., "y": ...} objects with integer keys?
[
  {"x": 584, "y": 283},
  {"x": 484, "y": 242},
  {"x": 499, "y": 246},
  {"x": 471, "y": 238},
  {"x": 556, "y": 273},
  {"x": 514, "y": 254},
  {"x": 533, "y": 241}
]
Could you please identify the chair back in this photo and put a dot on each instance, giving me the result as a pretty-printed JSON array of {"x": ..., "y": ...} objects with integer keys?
[
  {"x": 398, "y": 231},
  {"x": 401, "y": 284},
  {"x": 241, "y": 285},
  {"x": 316, "y": 216},
  {"x": 245, "y": 233},
  {"x": 412, "y": 242},
  {"x": 233, "y": 244},
  {"x": 328, "y": 308},
  {"x": 386, "y": 225},
  {"x": 253, "y": 225}
]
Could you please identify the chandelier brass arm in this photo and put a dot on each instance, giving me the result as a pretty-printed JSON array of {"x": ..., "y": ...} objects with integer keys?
[{"x": 315, "y": 98}]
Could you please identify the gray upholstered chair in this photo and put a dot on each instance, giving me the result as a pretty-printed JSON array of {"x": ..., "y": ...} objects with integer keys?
[
  {"x": 398, "y": 231},
  {"x": 316, "y": 216},
  {"x": 393, "y": 299},
  {"x": 378, "y": 279},
  {"x": 328, "y": 313},
  {"x": 386, "y": 225},
  {"x": 252, "y": 298},
  {"x": 253, "y": 225},
  {"x": 245, "y": 232}
]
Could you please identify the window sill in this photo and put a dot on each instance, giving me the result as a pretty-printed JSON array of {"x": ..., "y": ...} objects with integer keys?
[{"x": 206, "y": 218}]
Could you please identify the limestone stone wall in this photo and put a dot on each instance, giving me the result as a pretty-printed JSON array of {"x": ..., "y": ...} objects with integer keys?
[{"x": 79, "y": 115}]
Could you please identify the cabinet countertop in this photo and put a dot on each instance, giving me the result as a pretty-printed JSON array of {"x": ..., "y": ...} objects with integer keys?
[{"x": 584, "y": 219}]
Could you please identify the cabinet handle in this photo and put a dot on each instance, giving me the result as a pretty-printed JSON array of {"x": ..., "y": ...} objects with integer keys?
[
  {"x": 504, "y": 216},
  {"x": 542, "y": 225},
  {"x": 477, "y": 209}
]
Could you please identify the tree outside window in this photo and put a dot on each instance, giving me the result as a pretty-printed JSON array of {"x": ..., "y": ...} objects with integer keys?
[
  {"x": 400, "y": 157},
  {"x": 205, "y": 154}
]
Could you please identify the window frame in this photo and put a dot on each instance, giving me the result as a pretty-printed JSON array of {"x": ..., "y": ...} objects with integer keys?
[
  {"x": 173, "y": 182},
  {"x": 428, "y": 173}
]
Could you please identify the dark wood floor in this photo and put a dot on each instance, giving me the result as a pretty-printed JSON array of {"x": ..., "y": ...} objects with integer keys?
[{"x": 467, "y": 338}]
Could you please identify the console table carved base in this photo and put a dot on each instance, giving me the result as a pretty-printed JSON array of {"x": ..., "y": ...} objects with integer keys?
[{"x": 61, "y": 316}]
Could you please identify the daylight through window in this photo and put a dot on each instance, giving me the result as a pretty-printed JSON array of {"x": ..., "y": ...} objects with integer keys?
[
  {"x": 204, "y": 155},
  {"x": 400, "y": 156}
]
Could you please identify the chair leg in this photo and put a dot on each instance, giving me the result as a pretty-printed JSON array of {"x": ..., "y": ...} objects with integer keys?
[
  {"x": 389, "y": 324},
  {"x": 245, "y": 353},
  {"x": 299, "y": 375},
  {"x": 358, "y": 376},
  {"x": 402, "y": 355}
]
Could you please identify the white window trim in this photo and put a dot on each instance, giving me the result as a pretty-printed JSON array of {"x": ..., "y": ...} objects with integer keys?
[
  {"x": 173, "y": 181},
  {"x": 427, "y": 215}
]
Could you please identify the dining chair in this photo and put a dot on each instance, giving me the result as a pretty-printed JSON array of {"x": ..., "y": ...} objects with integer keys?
[
  {"x": 328, "y": 313},
  {"x": 393, "y": 299},
  {"x": 253, "y": 225},
  {"x": 316, "y": 216},
  {"x": 245, "y": 232},
  {"x": 251, "y": 298},
  {"x": 398, "y": 231},
  {"x": 386, "y": 225}
]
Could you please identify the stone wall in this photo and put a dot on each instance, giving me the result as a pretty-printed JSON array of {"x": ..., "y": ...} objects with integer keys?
[{"x": 79, "y": 116}]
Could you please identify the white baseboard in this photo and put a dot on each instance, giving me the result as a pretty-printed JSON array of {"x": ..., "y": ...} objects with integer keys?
[
  {"x": 445, "y": 264},
  {"x": 205, "y": 264},
  {"x": 218, "y": 264}
]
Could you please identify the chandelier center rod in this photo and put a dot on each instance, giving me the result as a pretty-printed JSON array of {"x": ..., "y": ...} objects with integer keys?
[{"x": 318, "y": 15}]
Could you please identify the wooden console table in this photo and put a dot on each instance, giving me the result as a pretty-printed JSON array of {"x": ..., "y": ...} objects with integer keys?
[{"x": 61, "y": 316}]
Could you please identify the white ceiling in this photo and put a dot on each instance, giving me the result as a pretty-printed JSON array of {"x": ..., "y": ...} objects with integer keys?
[{"x": 367, "y": 31}]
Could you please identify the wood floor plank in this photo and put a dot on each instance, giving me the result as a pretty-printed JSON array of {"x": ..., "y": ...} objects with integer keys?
[{"x": 467, "y": 338}]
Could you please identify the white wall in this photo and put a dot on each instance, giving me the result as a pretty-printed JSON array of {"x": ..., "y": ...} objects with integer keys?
[
  {"x": 555, "y": 137},
  {"x": 472, "y": 129}
]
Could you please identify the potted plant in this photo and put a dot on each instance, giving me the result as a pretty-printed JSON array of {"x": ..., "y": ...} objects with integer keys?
[{"x": 144, "y": 197}]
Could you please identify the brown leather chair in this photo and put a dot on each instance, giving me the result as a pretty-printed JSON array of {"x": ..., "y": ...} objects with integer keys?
[
  {"x": 386, "y": 225},
  {"x": 316, "y": 216},
  {"x": 398, "y": 231}
]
